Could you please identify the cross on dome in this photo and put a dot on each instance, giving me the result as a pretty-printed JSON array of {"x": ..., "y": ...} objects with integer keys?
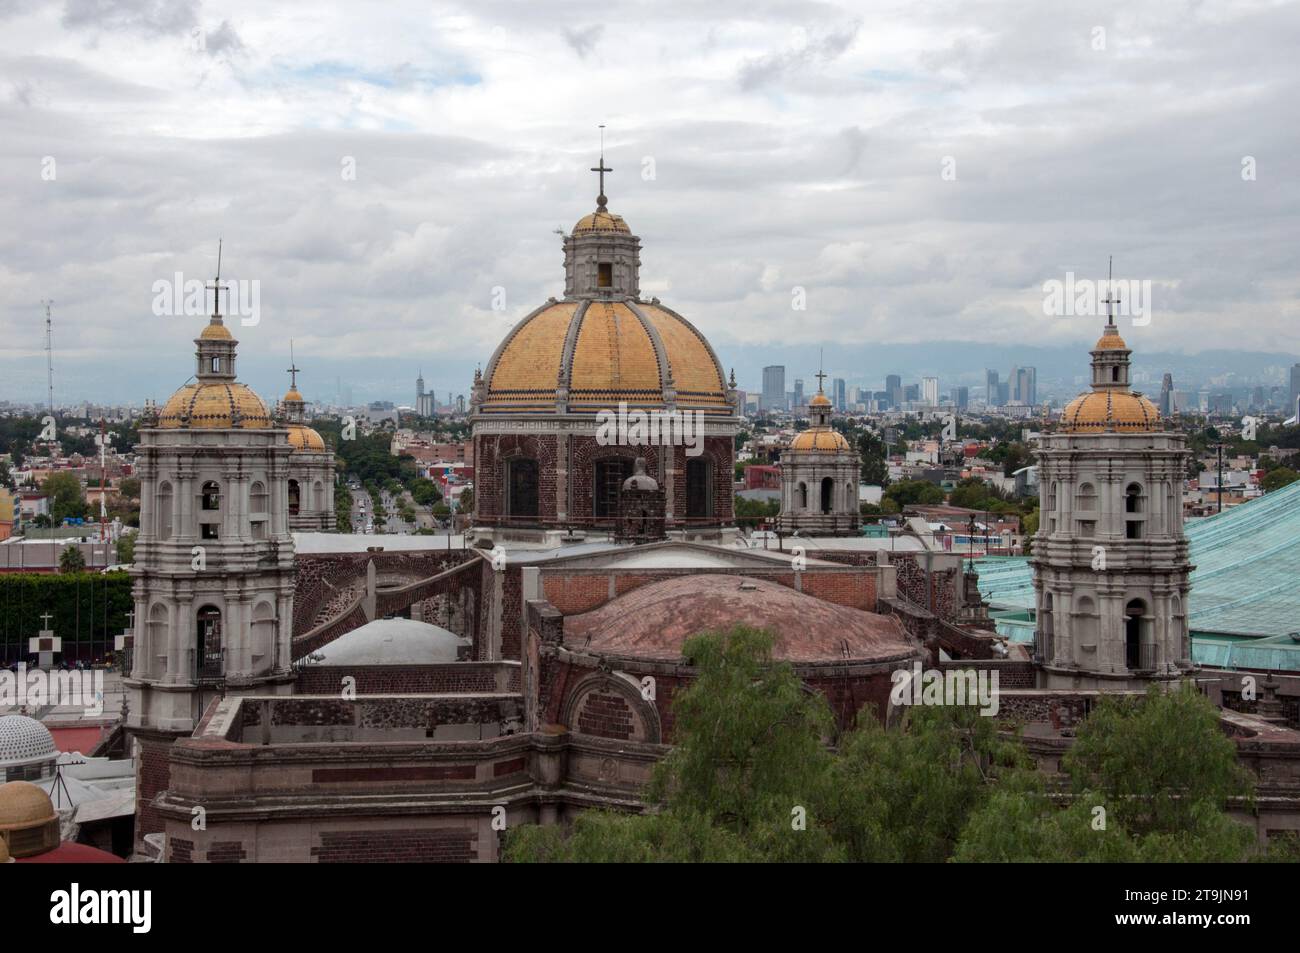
[{"x": 601, "y": 200}]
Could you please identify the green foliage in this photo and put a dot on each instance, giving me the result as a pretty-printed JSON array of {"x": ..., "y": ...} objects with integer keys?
[
  {"x": 913, "y": 492},
  {"x": 71, "y": 560},
  {"x": 342, "y": 507},
  {"x": 875, "y": 471},
  {"x": 1150, "y": 780},
  {"x": 752, "y": 512},
  {"x": 125, "y": 547},
  {"x": 66, "y": 499},
  {"x": 465, "y": 501},
  {"x": 424, "y": 491},
  {"x": 1277, "y": 478},
  {"x": 81, "y": 605}
]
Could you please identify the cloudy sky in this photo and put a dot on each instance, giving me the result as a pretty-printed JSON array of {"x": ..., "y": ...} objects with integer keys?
[{"x": 919, "y": 169}]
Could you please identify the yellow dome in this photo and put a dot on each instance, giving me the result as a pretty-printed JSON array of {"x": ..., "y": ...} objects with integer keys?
[
  {"x": 23, "y": 805},
  {"x": 1110, "y": 341},
  {"x": 1116, "y": 410},
  {"x": 820, "y": 400},
  {"x": 819, "y": 441},
  {"x": 302, "y": 437},
  {"x": 292, "y": 395},
  {"x": 608, "y": 352},
  {"x": 216, "y": 332},
  {"x": 601, "y": 222},
  {"x": 214, "y": 405}
]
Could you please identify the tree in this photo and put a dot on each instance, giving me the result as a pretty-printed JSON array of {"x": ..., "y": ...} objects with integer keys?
[
  {"x": 465, "y": 502},
  {"x": 126, "y": 548},
  {"x": 913, "y": 492},
  {"x": 875, "y": 471},
  {"x": 748, "y": 759},
  {"x": 129, "y": 488},
  {"x": 66, "y": 499},
  {"x": 1277, "y": 478},
  {"x": 1150, "y": 780},
  {"x": 71, "y": 560}
]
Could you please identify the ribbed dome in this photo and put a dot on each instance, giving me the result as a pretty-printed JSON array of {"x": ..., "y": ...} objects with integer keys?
[
  {"x": 1117, "y": 410},
  {"x": 819, "y": 400},
  {"x": 213, "y": 405},
  {"x": 599, "y": 221},
  {"x": 1110, "y": 341},
  {"x": 605, "y": 352},
  {"x": 24, "y": 805},
  {"x": 302, "y": 437},
  {"x": 817, "y": 440},
  {"x": 216, "y": 332},
  {"x": 25, "y": 740}
]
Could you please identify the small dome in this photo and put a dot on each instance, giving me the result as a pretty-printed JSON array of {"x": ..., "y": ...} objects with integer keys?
[
  {"x": 302, "y": 437},
  {"x": 23, "y": 805},
  {"x": 601, "y": 222},
  {"x": 216, "y": 332},
  {"x": 1110, "y": 340},
  {"x": 292, "y": 396},
  {"x": 214, "y": 405},
  {"x": 820, "y": 400},
  {"x": 817, "y": 440},
  {"x": 25, "y": 740},
  {"x": 1110, "y": 410}
]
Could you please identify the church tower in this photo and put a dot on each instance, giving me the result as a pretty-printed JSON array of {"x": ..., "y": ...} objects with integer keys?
[
  {"x": 820, "y": 472},
  {"x": 1110, "y": 559},
  {"x": 213, "y": 572},
  {"x": 311, "y": 465}
]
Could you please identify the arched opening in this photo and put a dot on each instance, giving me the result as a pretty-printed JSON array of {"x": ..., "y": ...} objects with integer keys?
[
  {"x": 164, "y": 504},
  {"x": 208, "y": 646},
  {"x": 1085, "y": 626},
  {"x": 1086, "y": 499},
  {"x": 607, "y": 485},
  {"x": 521, "y": 488},
  {"x": 211, "y": 496},
  {"x": 1137, "y": 651},
  {"x": 802, "y": 494},
  {"x": 259, "y": 501},
  {"x": 318, "y": 496},
  {"x": 699, "y": 489},
  {"x": 1133, "y": 507},
  {"x": 155, "y": 639},
  {"x": 263, "y": 637},
  {"x": 828, "y": 494},
  {"x": 295, "y": 498}
]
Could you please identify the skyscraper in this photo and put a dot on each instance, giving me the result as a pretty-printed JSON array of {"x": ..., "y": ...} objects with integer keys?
[
  {"x": 991, "y": 388},
  {"x": 773, "y": 388},
  {"x": 930, "y": 390},
  {"x": 961, "y": 397},
  {"x": 840, "y": 388},
  {"x": 1167, "y": 396},
  {"x": 894, "y": 387},
  {"x": 798, "y": 393}
]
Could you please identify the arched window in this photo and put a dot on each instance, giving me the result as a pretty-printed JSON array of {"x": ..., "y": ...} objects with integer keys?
[
  {"x": 828, "y": 494},
  {"x": 803, "y": 496},
  {"x": 295, "y": 498},
  {"x": 1084, "y": 622},
  {"x": 164, "y": 515},
  {"x": 521, "y": 488},
  {"x": 1086, "y": 499},
  {"x": 1138, "y": 650},
  {"x": 699, "y": 488},
  {"x": 208, "y": 646},
  {"x": 211, "y": 496},
  {"x": 155, "y": 642},
  {"x": 1133, "y": 506},
  {"x": 259, "y": 501}
]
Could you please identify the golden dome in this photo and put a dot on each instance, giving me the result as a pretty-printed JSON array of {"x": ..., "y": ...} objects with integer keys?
[
  {"x": 818, "y": 440},
  {"x": 599, "y": 221},
  {"x": 23, "y": 805},
  {"x": 214, "y": 405},
  {"x": 302, "y": 437},
  {"x": 292, "y": 395},
  {"x": 1110, "y": 341},
  {"x": 216, "y": 332},
  {"x": 606, "y": 352},
  {"x": 1104, "y": 410},
  {"x": 820, "y": 400}
]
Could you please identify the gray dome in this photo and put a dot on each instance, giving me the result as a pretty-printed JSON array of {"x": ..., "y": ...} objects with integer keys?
[{"x": 25, "y": 740}]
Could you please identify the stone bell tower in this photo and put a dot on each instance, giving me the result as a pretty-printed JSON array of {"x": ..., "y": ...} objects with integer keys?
[{"x": 1110, "y": 560}]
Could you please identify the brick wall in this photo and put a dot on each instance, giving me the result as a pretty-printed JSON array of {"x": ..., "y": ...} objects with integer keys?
[
  {"x": 604, "y": 714},
  {"x": 153, "y": 776},
  {"x": 437, "y": 845},
  {"x": 449, "y": 678}
]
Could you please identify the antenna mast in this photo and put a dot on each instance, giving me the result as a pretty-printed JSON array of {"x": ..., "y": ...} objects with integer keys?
[{"x": 49, "y": 352}]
